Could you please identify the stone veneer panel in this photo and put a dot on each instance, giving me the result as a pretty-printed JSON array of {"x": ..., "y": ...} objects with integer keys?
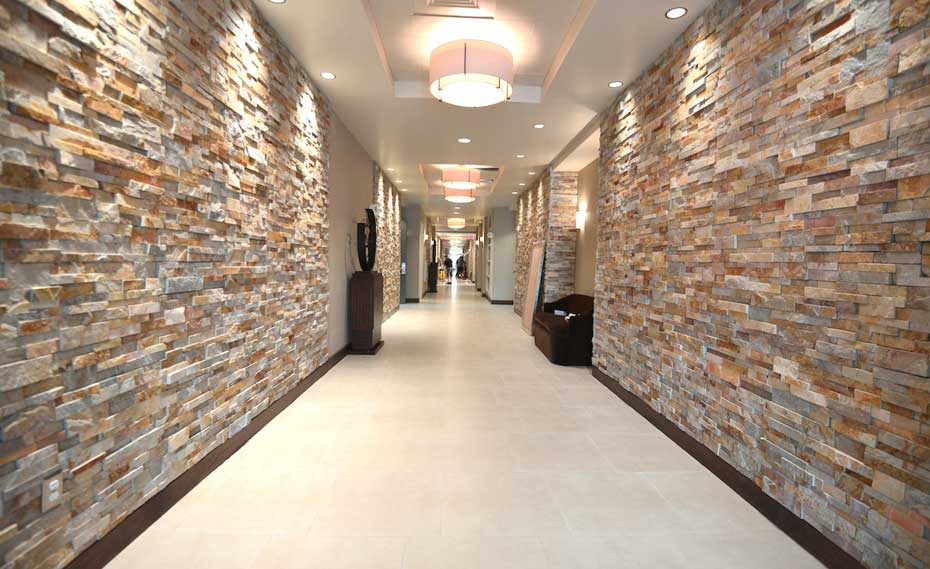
[
  {"x": 763, "y": 275},
  {"x": 163, "y": 240},
  {"x": 546, "y": 212},
  {"x": 532, "y": 206},
  {"x": 559, "y": 278},
  {"x": 387, "y": 209}
]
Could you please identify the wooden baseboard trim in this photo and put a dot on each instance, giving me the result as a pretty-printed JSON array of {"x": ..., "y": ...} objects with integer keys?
[
  {"x": 804, "y": 534},
  {"x": 505, "y": 302},
  {"x": 117, "y": 539}
]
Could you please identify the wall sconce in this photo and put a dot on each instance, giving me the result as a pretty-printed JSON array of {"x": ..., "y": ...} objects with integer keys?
[{"x": 580, "y": 216}]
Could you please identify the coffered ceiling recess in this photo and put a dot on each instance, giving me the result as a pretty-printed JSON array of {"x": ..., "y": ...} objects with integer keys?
[{"x": 565, "y": 54}]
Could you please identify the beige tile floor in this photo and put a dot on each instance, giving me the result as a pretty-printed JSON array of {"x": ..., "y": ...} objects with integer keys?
[{"x": 460, "y": 446}]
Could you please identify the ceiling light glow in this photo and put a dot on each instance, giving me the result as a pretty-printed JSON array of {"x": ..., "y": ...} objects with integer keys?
[
  {"x": 615, "y": 84},
  {"x": 327, "y": 75},
  {"x": 460, "y": 196},
  {"x": 539, "y": 125},
  {"x": 676, "y": 13},
  {"x": 455, "y": 223},
  {"x": 521, "y": 155},
  {"x": 461, "y": 178},
  {"x": 464, "y": 140},
  {"x": 471, "y": 73}
]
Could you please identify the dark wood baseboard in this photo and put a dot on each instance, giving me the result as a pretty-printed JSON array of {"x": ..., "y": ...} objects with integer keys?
[
  {"x": 413, "y": 300},
  {"x": 804, "y": 534},
  {"x": 365, "y": 352},
  {"x": 117, "y": 539},
  {"x": 506, "y": 302}
]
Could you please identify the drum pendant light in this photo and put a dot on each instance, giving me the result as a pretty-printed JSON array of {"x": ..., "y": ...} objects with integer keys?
[
  {"x": 460, "y": 184},
  {"x": 471, "y": 73}
]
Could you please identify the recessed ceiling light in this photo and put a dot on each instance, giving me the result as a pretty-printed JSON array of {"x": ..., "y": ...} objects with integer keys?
[
  {"x": 514, "y": 193},
  {"x": 277, "y": 1},
  {"x": 539, "y": 125},
  {"x": 522, "y": 184},
  {"x": 521, "y": 155},
  {"x": 390, "y": 169},
  {"x": 328, "y": 75},
  {"x": 676, "y": 13},
  {"x": 400, "y": 181},
  {"x": 404, "y": 190},
  {"x": 464, "y": 140},
  {"x": 615, "y": 84},
  {"x": 532, "y": 173}
]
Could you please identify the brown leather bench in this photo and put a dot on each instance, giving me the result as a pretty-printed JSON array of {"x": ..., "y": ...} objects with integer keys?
[{"x": 566, "y": 342}]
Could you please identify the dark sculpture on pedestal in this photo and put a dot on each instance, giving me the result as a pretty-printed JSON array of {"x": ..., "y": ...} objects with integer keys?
[{"x": 366, "y": 292}]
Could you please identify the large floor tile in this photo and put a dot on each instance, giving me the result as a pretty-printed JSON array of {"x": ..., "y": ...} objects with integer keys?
[
  {"x": 460, "y": 446},
  {"x": 474, "y": 553},
  {"x": 644, "y": 453}
]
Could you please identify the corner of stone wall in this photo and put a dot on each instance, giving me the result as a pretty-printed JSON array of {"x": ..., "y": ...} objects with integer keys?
[
  {"x": 386, "y": 199},
  {"x": 546, "y": 212}
]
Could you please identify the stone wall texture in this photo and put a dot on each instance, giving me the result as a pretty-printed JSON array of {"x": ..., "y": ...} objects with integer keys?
[
  {"x": 387, "y": 209},
  {"x": 559, "y": 275},
  {"x": 546, "y": 212},
  {"x": 163, "y": 201},
  {"x": 763, "y": 272},
  {"x": 532, "y": 219}
]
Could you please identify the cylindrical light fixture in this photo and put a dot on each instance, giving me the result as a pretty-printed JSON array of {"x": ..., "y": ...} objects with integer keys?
[
  {"x": 461, "y": 178},
  {"x": 460, "y": 196},
  {"x": 460, "y": 184},
  {"x": 456, "y": 223},
  {"x": 471, "y": 73}
]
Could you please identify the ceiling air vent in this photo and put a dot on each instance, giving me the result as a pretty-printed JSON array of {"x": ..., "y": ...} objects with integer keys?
[
  {"x": 454, "y": 4},
  {"x": 455, "y": 8}
]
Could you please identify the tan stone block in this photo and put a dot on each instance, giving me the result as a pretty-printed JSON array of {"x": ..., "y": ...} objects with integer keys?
[
  {"x": 868, "y": 134},
  {"x": 863, "y": 95},
  {"x": 918, "y": 54},
  {"x": 25, "y": 372},
  {"x": 787, "y": 368}
]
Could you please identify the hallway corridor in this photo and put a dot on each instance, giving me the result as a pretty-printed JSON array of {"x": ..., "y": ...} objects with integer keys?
[{"x": 460, "y": 446}]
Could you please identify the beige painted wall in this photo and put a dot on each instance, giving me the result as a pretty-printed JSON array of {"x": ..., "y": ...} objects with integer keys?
[
  {"x": 586, "y": 243},
  {"x": 349, "y": 194}
]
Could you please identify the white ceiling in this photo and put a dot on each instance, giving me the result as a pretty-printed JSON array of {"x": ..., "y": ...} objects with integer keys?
[{"x": 379, "y": 49}]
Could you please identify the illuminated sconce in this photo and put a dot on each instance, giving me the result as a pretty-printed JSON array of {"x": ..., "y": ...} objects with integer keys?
[{"x": 580, "y": 216}]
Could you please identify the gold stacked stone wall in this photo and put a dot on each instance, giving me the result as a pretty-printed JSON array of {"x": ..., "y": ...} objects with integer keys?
[
  {"x": 546, "y": 212},
  {"x": 387, "y": 210},
  {"x": 763, "y": 275},
  {"x": 163, "y": 229}
]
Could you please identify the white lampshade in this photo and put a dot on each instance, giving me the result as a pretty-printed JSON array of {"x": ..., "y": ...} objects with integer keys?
[
  {"x": 460, "y": 196},
  {"x": 471, "y": 73},
  {"x": 461, "y": 178}
]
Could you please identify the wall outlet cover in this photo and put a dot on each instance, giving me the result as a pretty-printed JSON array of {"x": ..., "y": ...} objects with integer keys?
[{"x": 52, "y": 492}]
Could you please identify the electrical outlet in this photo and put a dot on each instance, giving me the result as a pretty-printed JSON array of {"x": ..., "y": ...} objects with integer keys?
[{"x": 52, "y": 491}]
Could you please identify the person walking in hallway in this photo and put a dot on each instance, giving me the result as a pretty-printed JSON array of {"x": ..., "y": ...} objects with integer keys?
[{"x": 448, "y": 265}]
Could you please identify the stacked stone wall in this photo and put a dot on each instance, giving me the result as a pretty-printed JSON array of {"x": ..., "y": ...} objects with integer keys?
[
  {"x": 387, "y": 210},
  {"x": 163, "y": 262},
  {"x": 546, "y": 212},
  {"x": 763, "y": 275}
]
